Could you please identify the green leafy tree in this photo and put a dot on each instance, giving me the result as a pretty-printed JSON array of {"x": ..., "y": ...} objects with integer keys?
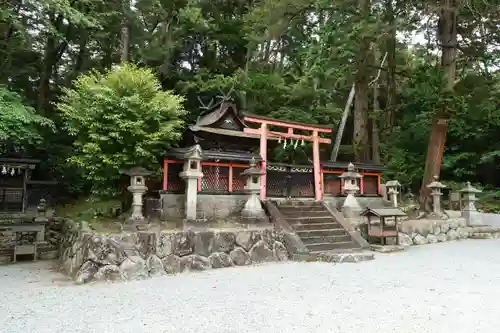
[
  {"x": 20, "y": 126},
  {"x": 119, "y": 119}
]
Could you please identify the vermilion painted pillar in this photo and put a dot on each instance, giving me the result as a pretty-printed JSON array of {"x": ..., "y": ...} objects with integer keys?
[
  {"x": 378, "y": 185},
  {"x": 361, "y": 186},
  {"x": 263, "y": 155},
  {"x": 165, "y": 173},
  {"x": 318, "y": 191}
]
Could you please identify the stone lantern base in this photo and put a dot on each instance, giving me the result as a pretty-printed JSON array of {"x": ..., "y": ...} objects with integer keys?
[
  {"x": 253, "y": 211},
  {"x": 473, "y": 217}
]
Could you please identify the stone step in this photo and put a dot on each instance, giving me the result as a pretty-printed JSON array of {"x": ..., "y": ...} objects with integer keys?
[
  {"x": 319, "y": 247},
  {"x": 298, "y": 213},
  {"x": 302, "y": 203},
  {"x": 310, "y": 219},
  {"x": 316, "y": 226},
  {"x": 326, "y": 239},
  {"x": 321, "y": 232},
  {"x": 286, "y": 209}
]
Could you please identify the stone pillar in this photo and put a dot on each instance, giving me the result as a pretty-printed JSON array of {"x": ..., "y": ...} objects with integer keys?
[
  {"x": 469, "y": 211},
  {"x": 350, "y": 178},
  {"x": 191, "y": 174},
  {"x": 253, "y": 208},
  {"x": 436, "y": 194},
  {"x": 137, "y": 188},
  {"x": 393, "y": 187}
]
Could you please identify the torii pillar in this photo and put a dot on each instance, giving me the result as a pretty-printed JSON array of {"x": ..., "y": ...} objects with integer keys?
[{"x": 263, "y": 165}]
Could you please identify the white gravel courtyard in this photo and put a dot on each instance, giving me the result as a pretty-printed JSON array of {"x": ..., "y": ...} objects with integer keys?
[{"x": 446, "y": 287}]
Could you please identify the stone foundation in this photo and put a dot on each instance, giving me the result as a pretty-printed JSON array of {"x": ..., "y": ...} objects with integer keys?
[
  {"x": 210, "y": 207},
  {"x": 222, "y": 206},
  {"x": 88, "y": 256}
]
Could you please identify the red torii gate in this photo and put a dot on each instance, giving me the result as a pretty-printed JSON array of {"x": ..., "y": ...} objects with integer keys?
[{"x": 264, "y": 133}]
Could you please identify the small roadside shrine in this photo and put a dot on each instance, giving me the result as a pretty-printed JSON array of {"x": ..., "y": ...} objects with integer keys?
[
  {"x": 387, "y": 228},
  {"x": 15, "y": 174}
]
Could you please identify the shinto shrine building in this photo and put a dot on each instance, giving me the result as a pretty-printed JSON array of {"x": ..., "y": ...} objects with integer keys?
[{"x": 230, "y": 140}]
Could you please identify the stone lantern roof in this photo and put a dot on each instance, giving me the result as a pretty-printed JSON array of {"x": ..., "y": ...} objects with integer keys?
[
  {"x": 194, "y": 153},
  {"x": 253, "y": 170},
  {"x": 436, "y": 184},
  {"x": 351, "y": 173},
  {"x": 393, "y": 183},
  {"x": 137, "y": 171},
  {"x": 469, "y": 189}
]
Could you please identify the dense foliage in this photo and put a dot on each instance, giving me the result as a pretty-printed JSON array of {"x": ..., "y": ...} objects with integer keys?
[
  {"x": 411, "y": 62},
  {"x": 20, "y": 126},
  {"x": 119, "y": 119}
]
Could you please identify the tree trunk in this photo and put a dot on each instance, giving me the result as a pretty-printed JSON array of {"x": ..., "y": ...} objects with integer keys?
[
  {"x": 124, "y": 32},
  {"x": 45, "y": 74},
  {"x": 360, "y": 136},
  {"x": 447, "y": 36},
  {"x": 390, "y": 106},
  {"x": 375, "y": 117},
  {"x": 124, "y": 38}
]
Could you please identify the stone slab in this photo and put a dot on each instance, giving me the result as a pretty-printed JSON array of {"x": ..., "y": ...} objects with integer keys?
[
  {"x": 345, "y": 257},
  {"x": 388, "y": 248}
]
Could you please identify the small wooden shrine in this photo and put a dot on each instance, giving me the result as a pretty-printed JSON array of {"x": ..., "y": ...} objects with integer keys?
[
  {"x": 15, "y": 174},
  {"x": 230, "y": 140},
  {"x": 385, "y": 229}
]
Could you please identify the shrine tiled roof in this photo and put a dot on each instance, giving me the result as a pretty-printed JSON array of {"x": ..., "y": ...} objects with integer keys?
[
  {"x": 228, "y": 132},
  {"x": 383, "y": 212},
  {"x": 217, "y": 155}
]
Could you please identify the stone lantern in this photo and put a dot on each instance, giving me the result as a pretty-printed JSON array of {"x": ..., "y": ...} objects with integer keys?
[
  {"x": 253, "y": 208},
  {"x": 191, "y": 174},
  {"x": 350, "y": 180},
  {"x": 469, "y": 211},
  {"x": 393, "y": 187},
  {"x": 436, "y": 186},
  {"x": 137, "y": 187}
]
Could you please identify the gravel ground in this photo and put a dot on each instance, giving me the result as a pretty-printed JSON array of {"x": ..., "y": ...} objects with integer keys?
[{"x": 446, "y": 287}]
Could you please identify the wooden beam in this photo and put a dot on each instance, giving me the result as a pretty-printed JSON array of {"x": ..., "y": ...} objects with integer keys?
[
  {"x": 286, "y": 135},
  {"x": 287, "y": 124}
]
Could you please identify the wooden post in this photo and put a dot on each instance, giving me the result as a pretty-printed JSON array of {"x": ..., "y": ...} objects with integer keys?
[
  {"x": 263, "y": 155},
  {"x": 361, "y": 186},
  {"x": 165, "y": 174},
  {"x": 318, "y": 191}
]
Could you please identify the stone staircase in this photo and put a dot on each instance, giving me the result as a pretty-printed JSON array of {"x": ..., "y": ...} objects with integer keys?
[{"x": 316, "y": 227}]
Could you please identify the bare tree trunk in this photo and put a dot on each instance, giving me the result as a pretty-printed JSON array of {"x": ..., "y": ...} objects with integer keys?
[
  {"x": 360, "y": 136},
  {"x": 374, "y": 118},
  {"x": 340, "y": 131},
  {"x": 447, "y": 36}
]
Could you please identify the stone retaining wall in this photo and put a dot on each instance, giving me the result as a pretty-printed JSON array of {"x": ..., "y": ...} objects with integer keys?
[
  {"x": 88, "y": 256},
  {"x": 426, "y": 231}
]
